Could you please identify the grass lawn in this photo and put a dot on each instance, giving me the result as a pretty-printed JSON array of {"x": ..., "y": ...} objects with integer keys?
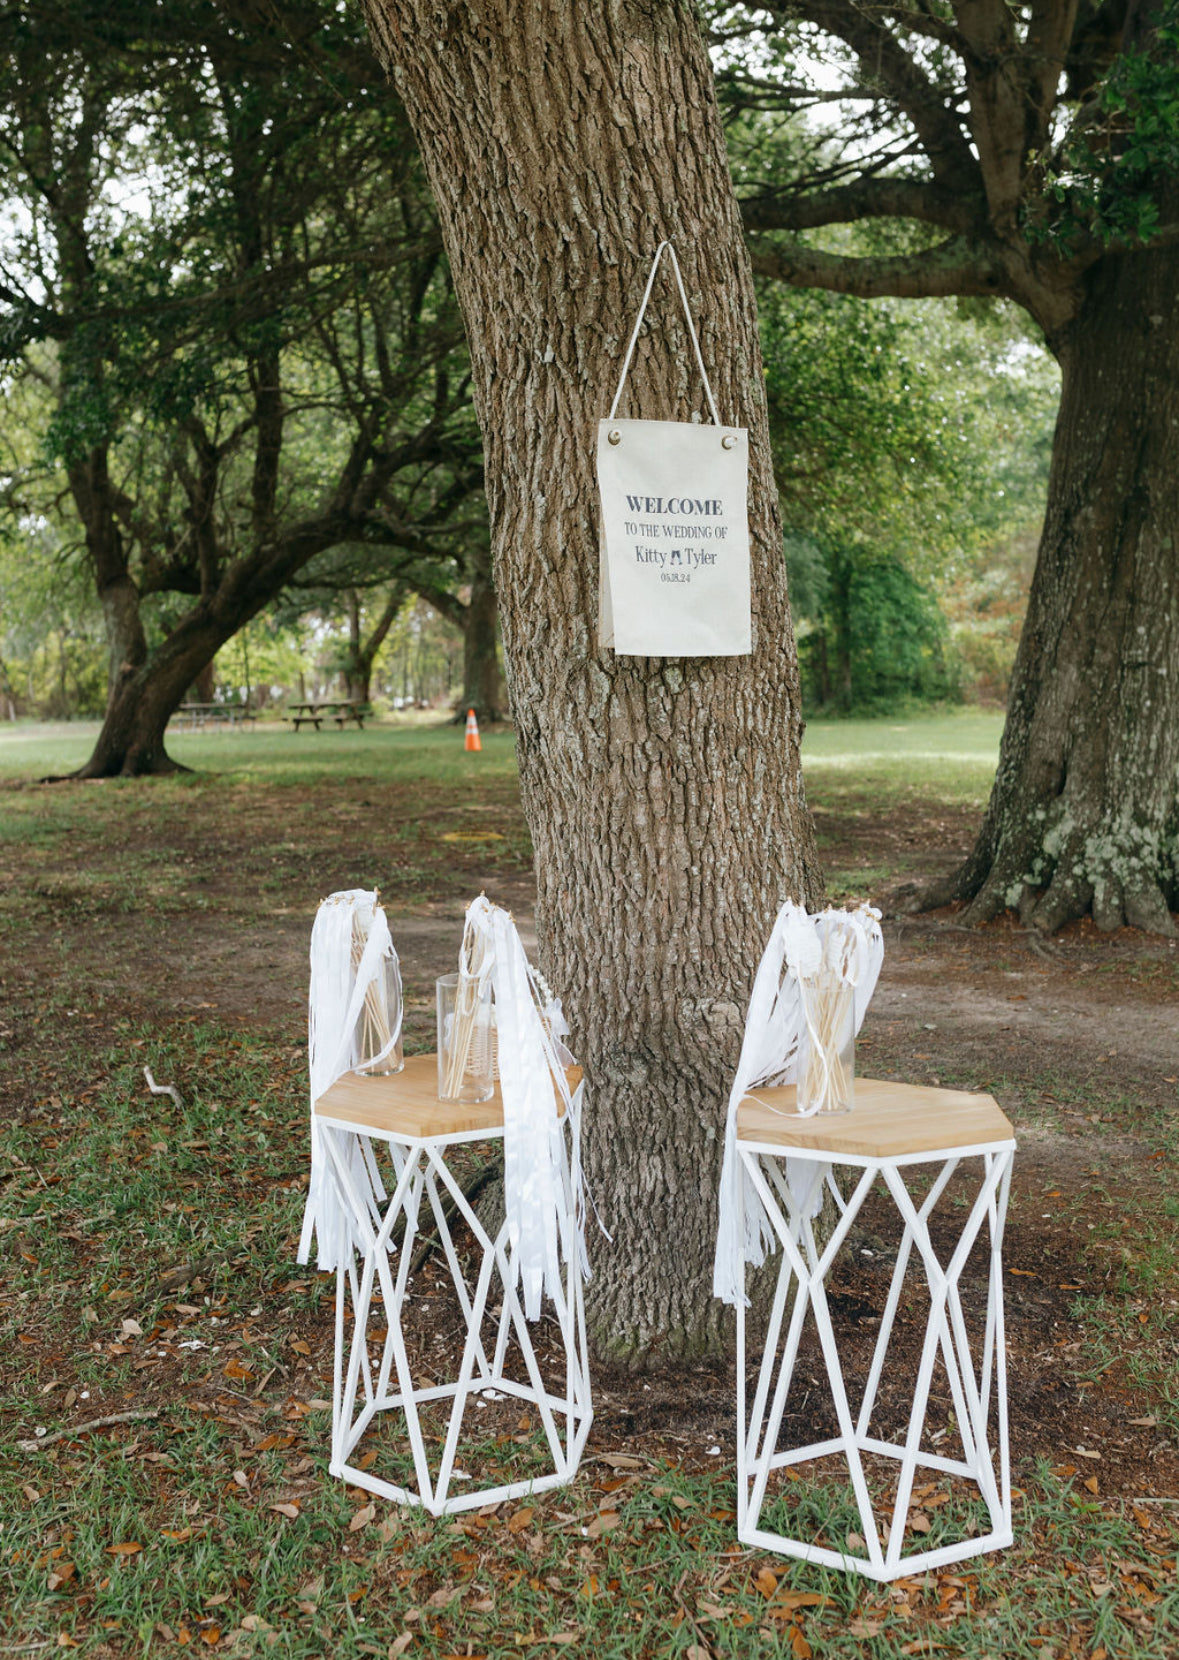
[
  {"x": 147, "y": 1272},
  {"x": 955, "y": 752},
  {"x": 272, "y": 752}
]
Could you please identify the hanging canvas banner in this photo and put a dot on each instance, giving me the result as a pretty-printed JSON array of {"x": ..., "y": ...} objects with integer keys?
[{"x": 674, "y": 540}]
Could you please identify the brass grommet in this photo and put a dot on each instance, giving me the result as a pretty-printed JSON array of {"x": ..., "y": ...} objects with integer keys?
[
  {"x": 614, "y": 436},
  {"x": 729, "y": 439}
]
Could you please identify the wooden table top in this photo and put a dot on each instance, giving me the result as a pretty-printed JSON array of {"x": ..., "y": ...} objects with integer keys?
[
  {"x": 887, "y": 1120},
  {"x": 406, "y": 1103}
]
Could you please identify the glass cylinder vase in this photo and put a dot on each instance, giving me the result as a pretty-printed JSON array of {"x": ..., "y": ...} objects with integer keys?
[
  {"x": 466, "y": 1038},
  {"x": 379, "y": 1050},
  {"x": 827, "y": 1048}
]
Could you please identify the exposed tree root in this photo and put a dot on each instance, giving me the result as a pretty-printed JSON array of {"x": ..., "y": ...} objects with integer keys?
[
  {"x": 1111, "y": 902},
  {"x": 160, "y": 768}
]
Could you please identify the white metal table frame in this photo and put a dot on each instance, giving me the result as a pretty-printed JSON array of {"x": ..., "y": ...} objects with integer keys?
[
  {"x": 804, "y": 1262},
  {"x": 421, "y": 1171}
]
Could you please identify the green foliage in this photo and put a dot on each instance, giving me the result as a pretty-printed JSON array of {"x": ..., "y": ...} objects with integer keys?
[
  {"x": 228, "y": 320},
  {"x": 903, "y": 423},
  {"x": 1120, "y": 158},
  {"x": 873, "y": 637},
  {"x": 907, "y": 459}
]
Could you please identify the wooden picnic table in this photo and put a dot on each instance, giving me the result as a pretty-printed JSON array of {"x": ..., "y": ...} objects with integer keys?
[
  {"x": 201, "y": 714},
  {"x": 341, "y": 710}
]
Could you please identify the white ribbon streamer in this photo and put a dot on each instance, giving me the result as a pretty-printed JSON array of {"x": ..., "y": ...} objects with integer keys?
[
  {"x": 532, "y": 1062},
  {"x": 339, "y": 986},
  {"x": 769, "y": 1056}
]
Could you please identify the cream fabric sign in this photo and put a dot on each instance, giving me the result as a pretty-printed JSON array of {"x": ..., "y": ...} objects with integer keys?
[{"x": 674, "y": 540}]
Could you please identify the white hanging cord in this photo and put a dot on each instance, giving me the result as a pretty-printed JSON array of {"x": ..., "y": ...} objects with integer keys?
[{"x": 691, "y": 330}]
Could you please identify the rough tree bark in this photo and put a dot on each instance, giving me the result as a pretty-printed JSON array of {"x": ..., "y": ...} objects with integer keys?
[
  {"x": 1084, "y": 813},
  {"x": 664, "y": 796}
]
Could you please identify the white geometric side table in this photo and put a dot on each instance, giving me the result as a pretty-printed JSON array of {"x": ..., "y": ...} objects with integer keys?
[
  {"x": 404, "y": 1112},
  {"x": 894, "y": 1130}
]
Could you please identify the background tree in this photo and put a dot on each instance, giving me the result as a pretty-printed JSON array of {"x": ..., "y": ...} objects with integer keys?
[
  {"x": 910, "y": 444},
  {"x": 227, "y": 279},
  {"x": 1030, "y": 152},
  {"x": 663, "y": 796},
  {"x": 453, "y": 575}
]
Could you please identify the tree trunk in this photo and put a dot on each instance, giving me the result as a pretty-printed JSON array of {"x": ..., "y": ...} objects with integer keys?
[
  {"x": 663, "y": 795},
  {"x": 358, "y": 672},
  {"x": 366, "y": 652},
  {"x": 145, "y": 697},
  {"x": 205, "y": 683},
  {"x": 1084, "y": 813},
  {"x": 482, "y": 683}
]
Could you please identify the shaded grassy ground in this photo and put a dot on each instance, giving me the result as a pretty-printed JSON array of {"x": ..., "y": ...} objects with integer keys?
[{"x": 148, "y": 1248}]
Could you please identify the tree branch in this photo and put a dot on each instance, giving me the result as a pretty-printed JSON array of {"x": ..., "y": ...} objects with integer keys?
[
  {"x": 885, "y": 62},
  {"x": 881, "y": 198},
  {"x": 1006, "y": 120},
  {"x": 956, "y": 266}
]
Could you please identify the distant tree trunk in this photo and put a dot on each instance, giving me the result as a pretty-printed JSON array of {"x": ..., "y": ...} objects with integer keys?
[
  {"x": 205, "y": 683},
  {"x": 482, "y": 682},
  {"x": 842, "y": 576},
  {"x": 477, "y": 621},
  {"x": 357, "y": 672},
  {"x": 822, "y": 666},
  {"x": 1085, "y": 808},
  {"x": 664, "y": 796},
  {"x": 364, "y": 652}
]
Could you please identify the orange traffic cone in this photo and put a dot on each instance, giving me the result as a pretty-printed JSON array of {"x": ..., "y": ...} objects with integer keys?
[{"x": 473, "y": 740}]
